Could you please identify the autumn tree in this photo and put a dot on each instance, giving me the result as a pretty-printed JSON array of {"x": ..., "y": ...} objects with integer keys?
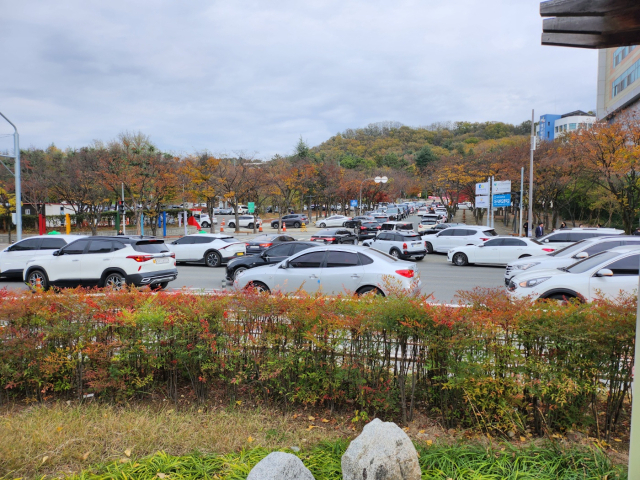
[{"x": 200, "y": 174}]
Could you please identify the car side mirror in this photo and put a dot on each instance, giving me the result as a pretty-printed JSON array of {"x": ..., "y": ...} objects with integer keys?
[
  {"x": 581, "y": 255},
  {"x": 546, "y": 240},
  {"x": 57, "y": 253},
  {"x": 604, "y": 272},
  {"x": 284, "y": 265}
]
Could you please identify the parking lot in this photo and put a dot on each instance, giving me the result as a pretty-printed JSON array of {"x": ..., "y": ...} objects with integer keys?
[{"x": 438, "y": 277}]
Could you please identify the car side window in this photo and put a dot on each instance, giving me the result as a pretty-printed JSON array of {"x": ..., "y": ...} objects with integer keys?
[
  {"x": 399, "y": 238},
  {"x": 364, "y": 259},
  {"x": 100, "y": 246},
  {"x": 75, "y": 248},
  {"x": 300, "y": 247},
  {"x": 561, "y": 237},
  {"x": 601, "y": 247},
  {"x": 52, "y": 243},
  {"x": 511, "y": 242},
  {"x": 118, "y": 246},
  {"x": 279, "y": 251},
  {"x": 202, "y": 240},
  {"x": 625, "y": 266},
  {"x": 184, "y": 241},
  {"x": 446, "y": 233},
  {"x": 342, "y": 259},
  {"x": 26, "y": 245},
  {"x": 384, "y": 237},
  {"x": 308, "y": 260},
  {"x": 496, "y": 242}
]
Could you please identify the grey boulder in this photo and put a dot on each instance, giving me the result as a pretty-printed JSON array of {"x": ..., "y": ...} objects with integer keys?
[
  {"x": 280, "y": 466},
  {"x": 381, "y": 452}
]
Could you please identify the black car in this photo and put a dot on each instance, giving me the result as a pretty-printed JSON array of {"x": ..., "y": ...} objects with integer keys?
[
  {"x": 294, "y": 220},
  {"x": 368, "y": 230},
  {"x": 335, "y": 235},
  {"x": 262, "y": 242},
  {"x": 438, "y": 228},
  {"x": 271, "y": 255}
]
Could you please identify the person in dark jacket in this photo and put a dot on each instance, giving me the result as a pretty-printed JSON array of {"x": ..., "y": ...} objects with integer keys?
[
  {"x": 636, "y": 231},
  {"x": 563, "y": 226},
  {"x": 540, "y": 230}
]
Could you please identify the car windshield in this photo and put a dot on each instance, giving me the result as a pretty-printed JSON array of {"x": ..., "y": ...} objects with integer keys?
[
  {"x": 412, "y": 238},
  {"x": 591, "y": 262},
  {"x": 491, "y": 233},
  {"x": 150, "y": 247},
  {"x": 568, "y": 250},
  {"x": 326, "y": 232},
  {"x": 264, "y": 238},
  {"x": 533, "y": 240}
]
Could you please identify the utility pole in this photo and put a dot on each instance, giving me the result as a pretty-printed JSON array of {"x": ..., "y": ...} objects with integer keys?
[
  {"x": 634, "y": 441},
  {"x": 18, "y": 188},
  {"x": 124, "y": 213},
  {"x": 533, "y": 147},
  {"x": 521, "y": 195}
]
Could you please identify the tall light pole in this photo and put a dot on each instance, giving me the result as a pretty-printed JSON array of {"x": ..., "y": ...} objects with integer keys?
[
  {"x": 377, "y": 180},
  {"x": 533, "y": 147},
  {"x": 16, "y": 155}
]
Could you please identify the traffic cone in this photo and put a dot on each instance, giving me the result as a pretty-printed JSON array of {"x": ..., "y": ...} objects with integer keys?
[
  {"x": 222, "y": 226},
  {"x": 260, "y": 229},
  {"x": 38, "y": 283},
  {"x": 284, "y": 227}
]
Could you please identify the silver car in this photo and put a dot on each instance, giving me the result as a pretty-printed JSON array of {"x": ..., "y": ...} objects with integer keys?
[{"x": 334, "y": 269}]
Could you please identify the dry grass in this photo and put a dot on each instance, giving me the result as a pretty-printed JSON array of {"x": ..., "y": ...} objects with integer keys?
[{"x": 60, "y": 439}]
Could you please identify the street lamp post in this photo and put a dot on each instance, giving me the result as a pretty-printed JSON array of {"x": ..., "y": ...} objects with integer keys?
[
  {"x": 377, "y": 180},
  {"x": 16, "y": 153}
]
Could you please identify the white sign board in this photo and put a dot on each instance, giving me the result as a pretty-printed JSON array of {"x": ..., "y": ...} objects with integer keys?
[
  {"x": 482, "y": 201},
  {"x": 482, "y": 188},
  {"x": 501, "y": 187}
]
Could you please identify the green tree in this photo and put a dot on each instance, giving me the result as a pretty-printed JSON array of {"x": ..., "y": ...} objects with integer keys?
[{"x": 425, "y": 158}]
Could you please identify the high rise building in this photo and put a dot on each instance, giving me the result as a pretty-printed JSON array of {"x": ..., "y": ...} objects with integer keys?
[{"x": 618, "y": 80}]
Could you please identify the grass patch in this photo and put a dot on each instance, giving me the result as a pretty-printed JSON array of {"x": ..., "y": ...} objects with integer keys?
[{"x": 437, "y": 462}]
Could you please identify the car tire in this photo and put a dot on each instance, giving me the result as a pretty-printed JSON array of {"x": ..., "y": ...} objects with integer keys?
[
  {"x": 114, "y": 281},
  {"x": 259, "y": 287},
  {"x": 160, "y": 286},
  {"x": 212, "y": 259},
  {"x": 322, "y": 225},
  {"x": 251, "y": 226},
  {"x": 206, "y": 224},
  {"x": 394, "y": 253},
  {"x": 419, "y": 259},
  {"x": 365, "y": 290},
  {"x": 274, "y": 225},
  {"x": 296, "y": 225},
  {"x": 237, "y": 271},
  {"x": 460, "y": 259},
  {"x": 34, "y": 276},
  {"x": 561, "y": 298},
  {"x": 344, "y": 223},
  {"x": 429, "y": 247},
  {"x": 232, "y": 225}
]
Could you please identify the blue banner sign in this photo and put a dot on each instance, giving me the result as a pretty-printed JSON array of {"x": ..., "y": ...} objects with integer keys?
[{"x": 502, "y": 200}]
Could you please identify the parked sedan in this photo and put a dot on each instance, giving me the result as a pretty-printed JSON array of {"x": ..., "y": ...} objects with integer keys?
[
  {"x": 497, "y": 251},
  {"x": 604, "y": 275},
  {"x": 335, "y": 235},
  {"x": 14, "y": 258},
  {"x": 212, "y": 249},
  {"x": 333, "y": 269},
  {"x": 262, "y": 242},
  {"x": 458, "y": 236},
  {"x": 368, "y": 230},
  {"x": 274, "y": 254},
  {"x": 332, "y": 221},
  {"x": 293, "y": 220}
]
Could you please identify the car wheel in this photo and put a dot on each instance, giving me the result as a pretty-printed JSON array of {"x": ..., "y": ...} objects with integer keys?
[
  {"x": 232, "y": 225},
  {"x": 394, "y": 253},
  {"x": 238, "y": 271},
  {"x": 212, "y": 259},
  {"x": 206, "y": 224},
  {"x": 429, "y": 247},
  {"x": 259, "y": 287},
  {"x": 460, "y": 259},
  {"x": 322, "y": 225},
  {"x": 160, "y": 286},
  {"x": 274, "y": 225},
  {"x": 251, "y": 225},
  {"x": 37, "y": 278},
  {"x": 561, "y": 298},
  {"x": 419, "y": 258},
  {"x": 344, "y": 223},
  {"x": 296, "y": 225},
  {"x": 370, "y": 290},
  {"x": 114, "y": 281}
]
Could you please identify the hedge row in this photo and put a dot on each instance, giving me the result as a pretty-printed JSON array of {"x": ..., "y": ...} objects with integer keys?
[{"x": 495, "y": 365}]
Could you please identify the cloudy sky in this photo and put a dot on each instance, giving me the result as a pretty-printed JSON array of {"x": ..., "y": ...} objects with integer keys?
[{"x": 254, "y": 76}]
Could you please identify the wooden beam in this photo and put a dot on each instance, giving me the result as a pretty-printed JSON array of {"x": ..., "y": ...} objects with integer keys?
[
  {"x": 593, "y": 25},
  {"x": 584, "y": 8},
  {"x": 578, "y": 40}
]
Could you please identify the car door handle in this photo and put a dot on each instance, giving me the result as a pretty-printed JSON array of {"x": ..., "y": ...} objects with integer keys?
[
  {"x": 106, "y": 259},
  {"x": 313, "y": 276},
  {"x": 75, "y": 260},
  {"x": 355, "y": 275}
]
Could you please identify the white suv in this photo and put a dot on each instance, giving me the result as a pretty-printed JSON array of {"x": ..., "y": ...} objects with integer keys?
[
  {"x": 212, "y": 249},
  {"x": 567, "y": 236},
  {"x": 13, "y": 259},
  {"x": 204, "y": 220},
  {"x": 605, "y": 275},
  {"x": 399, "y": 244},
  {"x": 457, "y": 237},
  {"x": 104, "y": 262},
  {"x": 245, "y": 221}
]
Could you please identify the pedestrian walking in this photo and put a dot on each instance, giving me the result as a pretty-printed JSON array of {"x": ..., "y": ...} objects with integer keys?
[
  {"x": 540, "y": 230},
  {"x": 526, "y": 229}
]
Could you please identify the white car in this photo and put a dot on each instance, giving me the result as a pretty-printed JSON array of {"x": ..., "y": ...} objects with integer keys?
[
  {"x": 604, "y": 275},
  {"x": 333, "y": 269},
  {"x": 399, "y": 244},
  {"x": 453, "y": 237},
  {"x": 427, "y": 222},
  {"x": 497, "y": 251},
  {"x": 104, "y": 262},
  {"x": 332, "y": 221},
  {"x": 565, "y": 237},
  {"x": 569, "y": 255},
  {"x": 212, "y": 249},
  {"x": 204, "y": 220},
  {"x": 246, "y": 221},
  {"x": 14, "y": 258}
]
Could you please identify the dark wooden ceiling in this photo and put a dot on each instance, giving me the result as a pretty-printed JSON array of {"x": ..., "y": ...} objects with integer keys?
[{"x": 591, "y": 23}]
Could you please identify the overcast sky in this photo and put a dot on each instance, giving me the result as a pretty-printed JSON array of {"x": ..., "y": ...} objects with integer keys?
[{"x": 254, "y": 76}]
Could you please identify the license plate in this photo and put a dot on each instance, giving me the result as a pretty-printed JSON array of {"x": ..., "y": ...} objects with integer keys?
[
  {"x": 239, "y": 254},
  {"x": 416, "y": 244},
  {"x": 253, "y": 247},
  {"x": 161, "y": 260}
]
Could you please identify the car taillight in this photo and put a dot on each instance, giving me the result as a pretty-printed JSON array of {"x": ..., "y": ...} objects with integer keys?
[
  {"x": 266, "y": 244},
  {"x": 363, "y": 228},
  {"x": 329, "y": 239},
  {"x": 404, "y": 246},
  {"x": 548, "y": 249},
  {"x": 405, "y": 273},
  {"x": 172, "y": 255},
  {"x": 141, "y": 258},
  {"x": 378, "y": 227},
  {"x": 484, "y": 239}
]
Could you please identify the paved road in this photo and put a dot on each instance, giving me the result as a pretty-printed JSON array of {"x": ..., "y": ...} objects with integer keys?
[{"x": 438, "y": 277}]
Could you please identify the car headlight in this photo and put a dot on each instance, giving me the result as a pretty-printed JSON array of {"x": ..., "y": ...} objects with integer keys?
[
  {"x": 526, "y": 266},
  {"x": 533, "y": 282}
]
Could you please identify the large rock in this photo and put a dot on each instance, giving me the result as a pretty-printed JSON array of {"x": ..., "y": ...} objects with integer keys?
[
  {"x": 381, "y": 452},
  {"x": 280, "y": 466}
]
